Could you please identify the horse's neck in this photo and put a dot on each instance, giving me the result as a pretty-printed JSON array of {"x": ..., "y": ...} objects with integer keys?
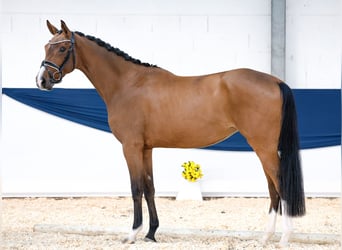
[{"x": 104, "y": 69}]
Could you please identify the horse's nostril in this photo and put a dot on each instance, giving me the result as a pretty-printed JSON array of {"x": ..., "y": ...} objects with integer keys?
[{"x": 41, "y": 82}]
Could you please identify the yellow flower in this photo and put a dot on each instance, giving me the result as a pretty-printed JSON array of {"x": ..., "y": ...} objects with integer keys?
[{"x": 192, "y": 171}]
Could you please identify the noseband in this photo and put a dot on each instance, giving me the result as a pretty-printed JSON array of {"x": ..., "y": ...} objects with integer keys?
[{"x": 56, "y": 76}]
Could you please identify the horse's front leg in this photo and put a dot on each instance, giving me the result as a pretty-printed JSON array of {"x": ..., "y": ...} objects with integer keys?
[
  {"x": 134, "y": 159},
  {"x": 149, "y": 195}
]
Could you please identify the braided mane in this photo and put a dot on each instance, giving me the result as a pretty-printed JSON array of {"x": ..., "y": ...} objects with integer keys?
[{"x": 117, "y": 51}]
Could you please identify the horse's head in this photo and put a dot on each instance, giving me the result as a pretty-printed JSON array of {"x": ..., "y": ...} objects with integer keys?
[{"x": 59, "y": 57}]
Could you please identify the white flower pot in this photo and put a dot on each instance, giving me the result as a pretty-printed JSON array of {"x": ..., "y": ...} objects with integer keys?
[{"x": 190, "y": 191}]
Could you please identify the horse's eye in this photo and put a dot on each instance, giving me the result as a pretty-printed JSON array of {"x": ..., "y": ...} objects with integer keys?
[{"x": 62, "y": 49}]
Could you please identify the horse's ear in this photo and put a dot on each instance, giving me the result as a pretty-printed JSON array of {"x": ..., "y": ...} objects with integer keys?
[
  {"x": 52, "y": 28},
  {"x": 65, "y": 29}
]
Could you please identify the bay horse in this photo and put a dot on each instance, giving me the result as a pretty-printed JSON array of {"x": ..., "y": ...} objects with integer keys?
[{"x": 150, "y": 107}]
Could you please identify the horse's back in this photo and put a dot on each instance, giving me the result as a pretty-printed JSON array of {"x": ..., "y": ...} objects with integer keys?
[
  {"x": 202, "y": 110},
  {"x": 247, "y": 77}
]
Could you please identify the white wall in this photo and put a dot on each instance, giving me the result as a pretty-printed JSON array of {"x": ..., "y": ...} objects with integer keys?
[
  {"x": 44, "y": 154},
  {"x": 185, "y": 37},
  {"x": 313, "y": 43}
]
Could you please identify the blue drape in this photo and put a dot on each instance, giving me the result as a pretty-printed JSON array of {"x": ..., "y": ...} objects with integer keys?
[{"x": 319, "y": 113}]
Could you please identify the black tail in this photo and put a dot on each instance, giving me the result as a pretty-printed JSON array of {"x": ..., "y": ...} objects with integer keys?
[{"x": 290, "y": 174}]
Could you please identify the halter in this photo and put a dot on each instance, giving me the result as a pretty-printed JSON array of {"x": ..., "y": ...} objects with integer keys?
[{"x": 56, "y": 76}]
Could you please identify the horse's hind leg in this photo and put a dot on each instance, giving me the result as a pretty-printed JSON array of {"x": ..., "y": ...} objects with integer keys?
[
  {"x": 149, "y": 194},
  {"x": 270, "y": 163},
  {"x": 287, "y": 225},
  {"x": 274, "y": 206}
]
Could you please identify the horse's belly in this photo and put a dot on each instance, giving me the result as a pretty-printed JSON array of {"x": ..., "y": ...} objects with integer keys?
[{"x": 193, "y": 137}]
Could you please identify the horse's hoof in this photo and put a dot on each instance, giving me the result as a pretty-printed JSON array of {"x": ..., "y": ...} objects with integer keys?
[
  {"x": 130, "y": 239},
  {"x": 146, "y": 239}
]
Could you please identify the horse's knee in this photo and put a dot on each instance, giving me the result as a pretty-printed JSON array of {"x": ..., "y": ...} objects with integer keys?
[
  {"x": 136, "y": 189},
  {"x": 149, "y": 191}
]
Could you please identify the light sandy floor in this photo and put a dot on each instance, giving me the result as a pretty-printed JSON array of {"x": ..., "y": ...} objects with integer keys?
[{"x": 238, "y": 214}]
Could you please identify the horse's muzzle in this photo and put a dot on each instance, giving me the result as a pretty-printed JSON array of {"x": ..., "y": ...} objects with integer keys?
[{"x": 41, "y": 82}]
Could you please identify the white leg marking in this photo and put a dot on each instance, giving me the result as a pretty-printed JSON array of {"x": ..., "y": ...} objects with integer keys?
[
  {"x": 132, "y": 235},
  {"x": 40, "y": 77},
  {"x": 270, "y": 228},
  {"x": 287, "y": 226}
]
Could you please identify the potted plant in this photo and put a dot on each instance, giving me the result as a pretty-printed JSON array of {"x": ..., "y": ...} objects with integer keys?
[{"x": 190, "y": 189}]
